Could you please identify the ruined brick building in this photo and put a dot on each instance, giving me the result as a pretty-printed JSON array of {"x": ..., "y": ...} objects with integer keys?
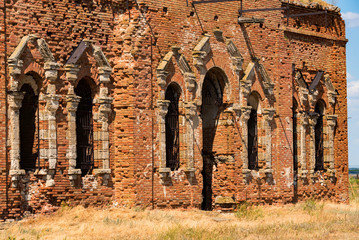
[{"x": 179, "y": 103}]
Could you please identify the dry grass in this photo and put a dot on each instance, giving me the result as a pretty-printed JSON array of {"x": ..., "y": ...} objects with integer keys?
[{"x": 309, "y": 220}]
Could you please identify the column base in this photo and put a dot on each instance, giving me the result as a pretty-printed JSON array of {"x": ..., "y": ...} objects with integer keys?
[
  {"x": 16, "y": 176},
  {"x": 104, "y": 173}
]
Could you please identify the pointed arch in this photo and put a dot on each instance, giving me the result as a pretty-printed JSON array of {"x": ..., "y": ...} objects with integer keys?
[
  {"x": 186, "y": 70},
  {"x": 249, "y": 76},
  {"x": 16, "y": 64},
  {"x": 104, "y": 67}
]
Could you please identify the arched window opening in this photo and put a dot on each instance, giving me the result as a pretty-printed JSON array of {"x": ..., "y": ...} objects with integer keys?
[
  {"x": 28, "y": 147},
  {"x": 253, "y": 133},
  {"x": 212, "y": 101},
  {"x": 319, "y": 149},
  {"x": 84, "y": 128},
  {"x": 172, "y": 128}
]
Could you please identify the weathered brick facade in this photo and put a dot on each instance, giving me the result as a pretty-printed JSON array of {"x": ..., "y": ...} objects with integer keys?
[{"x": 228, "y": 73}]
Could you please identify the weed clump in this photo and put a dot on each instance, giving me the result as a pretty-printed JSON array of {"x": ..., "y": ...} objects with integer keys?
[
  {"x": 247, "y": 211},
  {"x": 311, "y": 206}
]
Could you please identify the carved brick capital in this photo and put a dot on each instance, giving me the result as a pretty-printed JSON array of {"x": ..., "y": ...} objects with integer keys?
[
  {"x": 332, "y": 97},
  {"x": 15, "y": 100},
  {"x": 190, "y": 80},
  {"x": 313, "y": 119},
  {"x": 268, "y": 114},
  {"x": 303, "y": 119},
  {"x": 15, "y": 67},
  {"x": 245, "y": 87},
  {"x": 162, "y": 78},
  {"x": 313, "y": 98},
  {"x": 190, "y": 109},
  {"x": 52, "y": 103},
  {"x": 198, "y": 61},
  {"x": 163, "y": 107},
  {"x": 72, "y": 102},
  {"x": 104, "y": 74},
  {"x": 51, "y": 70},
  {"x": 245, "y": 113},
  {"x": 71, "y": 72},
  {"x": 332, "y": 120}
]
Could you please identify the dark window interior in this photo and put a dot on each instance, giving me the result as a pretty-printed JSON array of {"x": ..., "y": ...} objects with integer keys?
[
  {"x": 172, "y": 128},
  {"x": 84, "y": 128},
  {"x": 253, "y": 140},
  {"x": 319, "y": 150},
  {"x": 28, "y": 148}
]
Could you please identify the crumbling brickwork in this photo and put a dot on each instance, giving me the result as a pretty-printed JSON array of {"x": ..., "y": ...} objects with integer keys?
[{"x": 227, "y": 71}]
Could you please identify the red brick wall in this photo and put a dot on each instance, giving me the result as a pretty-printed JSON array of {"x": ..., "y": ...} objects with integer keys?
[{"x": 125, "y": 38}]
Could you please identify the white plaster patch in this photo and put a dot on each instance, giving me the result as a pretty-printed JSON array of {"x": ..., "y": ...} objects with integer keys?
[
  {"x": 89, "y": 182},
  {"x": 177, "y": 175},
  {"x": 286, "y": 175},
  {"x": 145, "y": 171},
  {"x": 255, "y": 174}
]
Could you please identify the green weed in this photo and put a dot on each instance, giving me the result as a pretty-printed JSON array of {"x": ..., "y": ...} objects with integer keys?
[{"x": 247, "y": 211}]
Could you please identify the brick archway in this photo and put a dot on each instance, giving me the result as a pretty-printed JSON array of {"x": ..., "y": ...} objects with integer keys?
[{"x": 212, "y": 101}]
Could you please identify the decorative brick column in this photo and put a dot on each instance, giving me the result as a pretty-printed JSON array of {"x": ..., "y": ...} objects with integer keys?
[
  {"x": 268, "y": 115},
  {"x": 190, "y": 113},
  {"x": 15, "y": 98},
  {"x": 245, "y": 115},
  {"x": 329, "y": 156},
  {"x": 303, "y": 117},
  {"x": 102, "y": 135},
  {"x": 161, "y": 114},
  {"x": 71, "y": 107},
  {"x": 15, "y": 102},
  {"x": 52, "y": 104}
]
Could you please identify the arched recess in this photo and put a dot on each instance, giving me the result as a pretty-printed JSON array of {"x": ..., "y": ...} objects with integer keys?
[
  {"x": 173, "y": 93},
  {"x": 28, "y": 128},
  {"x": 103, "y": 102},
  {"x": 256, "y": 87},
  {"x": 84, "y": 128},
  {"x": 256, "y": 135},
  {"x": 253, "y": 102},
  {"x": 15, "y": 97},
  {"x": 203, "y": 54},
  {"x": 187, "y": 92},
  {"x": 317, "y": 114},
  {"x": 212, "y": 105}
]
